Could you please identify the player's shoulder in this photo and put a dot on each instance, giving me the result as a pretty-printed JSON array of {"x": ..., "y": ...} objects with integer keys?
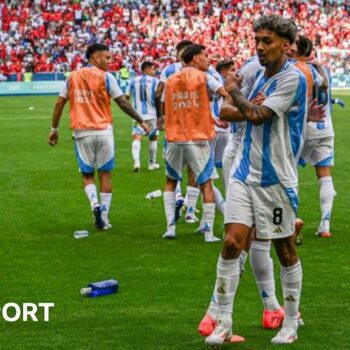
[
  {"x": 215, "y": 74},
  {"x": 172, "y": 69}
]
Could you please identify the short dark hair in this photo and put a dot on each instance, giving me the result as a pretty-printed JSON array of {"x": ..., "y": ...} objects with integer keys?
[
  {"x": 304, "y": 46},
  {"x": 191, "y": 51},
  {"x": 283, "y": 27},
  {"x": 182, "y": 44},
  {"x": 146, "y": 65},
  {"x": 95, "y": 48},
  {"x": 225, "y": 64}
]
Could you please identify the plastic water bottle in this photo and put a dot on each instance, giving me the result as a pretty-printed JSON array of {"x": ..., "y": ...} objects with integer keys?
[
  {"x": 98, "y": 289},
  {"x": 154, "y": 194},
  {"x": 81, "y": 234}
]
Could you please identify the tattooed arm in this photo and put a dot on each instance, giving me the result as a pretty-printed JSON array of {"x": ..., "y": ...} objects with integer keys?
[{"x": 254, "y": 113}]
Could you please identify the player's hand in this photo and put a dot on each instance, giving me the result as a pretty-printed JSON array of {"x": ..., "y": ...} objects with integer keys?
[
  {"x": 258, "y": 99},
  {"x": 316, "y": 112},
  {"x": 161, "y": 123},
  {"x": 223, "y": 124},
  {"x": 233, "y": 81},
  {"x": 145, "y": 127},
  {"x": 53, "y": 138}
]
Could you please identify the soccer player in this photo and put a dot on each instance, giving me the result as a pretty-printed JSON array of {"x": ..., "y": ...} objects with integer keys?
[
  {"x": 189, "y": 127},
  {"x": 89, "y": 91},
  {"x": 219, "y": 143},
  {"x": 193, "y": 191},
  {"x": 319, "y": 144},
  {"x": 263, "y": 189},
  {"x": 142, "y": 89}
]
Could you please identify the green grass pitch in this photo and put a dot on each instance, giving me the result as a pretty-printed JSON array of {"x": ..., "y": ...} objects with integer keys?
[{"x": 165, "y": 286}]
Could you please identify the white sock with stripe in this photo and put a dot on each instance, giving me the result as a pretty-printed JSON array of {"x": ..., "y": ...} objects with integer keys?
[
  {"x": 153, "y": 146},
  {"x": 91, "y": 193},
  {"x": 106, "y": 199},
  {"x": 262, "y": 267},
  {"x": 291, "y": 278},
  {"x": 135, "y": 150},
  {"x": 169, "y": 207},
  {"x": 327, "y": 194}
]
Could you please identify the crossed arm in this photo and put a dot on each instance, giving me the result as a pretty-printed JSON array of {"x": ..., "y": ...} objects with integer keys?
[{"x": 237, "y": 108}]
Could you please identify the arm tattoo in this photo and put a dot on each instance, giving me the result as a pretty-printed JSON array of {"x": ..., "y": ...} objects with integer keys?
[{"x": 253, "y": 113}]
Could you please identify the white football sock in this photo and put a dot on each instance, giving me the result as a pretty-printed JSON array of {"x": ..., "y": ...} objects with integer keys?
[
  {"x": 153, "y": 145},
  {"x": 262, "y": 267},
  {"x": 135, "y": 150},
  {"x": 291, "y": 278},
  {"x": 169, "y": 207},
  {"x": 208, "y": 219},
  {"x": 178, "y": 193},
  {"x": 327, "y": 194},
  {"x": 242, "y": 260},
  {"x": 91, "y": 193},
  {"x": 213, "y": 308},
  {"x": 219, "y": 200},
  {"x": 192, "y": 197},
  {"x": 106, "y": 199},
  {"x": 227, "y": 279}
]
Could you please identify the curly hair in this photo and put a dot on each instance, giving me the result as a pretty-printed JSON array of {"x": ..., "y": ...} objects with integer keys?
[{"x": 283, "y": 27}]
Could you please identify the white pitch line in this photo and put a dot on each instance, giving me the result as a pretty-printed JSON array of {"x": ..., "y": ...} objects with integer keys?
[{"x": 24, "y": 118}]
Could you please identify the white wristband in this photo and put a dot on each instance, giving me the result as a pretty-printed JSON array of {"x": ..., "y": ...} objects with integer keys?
[{"x": 54, "y": 129}]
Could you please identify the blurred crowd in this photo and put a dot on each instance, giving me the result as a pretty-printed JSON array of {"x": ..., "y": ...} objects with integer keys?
[{"x": 52, "y": 36}]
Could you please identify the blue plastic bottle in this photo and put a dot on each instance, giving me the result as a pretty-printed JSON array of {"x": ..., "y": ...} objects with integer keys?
[{"x": 98, "y": 289}]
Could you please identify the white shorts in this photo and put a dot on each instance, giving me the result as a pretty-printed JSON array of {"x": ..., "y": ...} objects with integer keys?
[
  {"x": 227, "y": 163},
  {"x": 318, "y": 152},
  {"x": 138, "y": 130},
  {"x": 219, "y": 144},
  {"x": 272, "y": 209},
  {"x": 198, "y": 156},
  {"x": 95, "y": 152}
]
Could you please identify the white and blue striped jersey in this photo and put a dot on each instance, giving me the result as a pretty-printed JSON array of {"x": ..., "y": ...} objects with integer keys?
[
  {"x": 217, "y": 100},
  {"x": 269, "y": 152},
  {"x": 142, "y": 90},
  {"x": 323, "y": 129},
  {"x": 249, "y": 72},
  {"x": 169, "y": 71}
]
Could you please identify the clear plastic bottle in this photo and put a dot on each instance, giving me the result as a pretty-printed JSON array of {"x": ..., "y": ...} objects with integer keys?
[
  {"x": 81, "y": 234},
  {"x": 97, "y": 289},
  {"x": 154, "y": 194}
]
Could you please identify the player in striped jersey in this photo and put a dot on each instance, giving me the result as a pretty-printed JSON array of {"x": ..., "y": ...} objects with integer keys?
[
  {"x": 221, "y": 139},
  {"x": 319, "y": 144},
  {"x": 142, "y": 90},
  {"x": 263, "y": 186}
]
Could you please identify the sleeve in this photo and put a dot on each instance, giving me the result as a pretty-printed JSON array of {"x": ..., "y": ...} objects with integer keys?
[
  {"x": 112, "y": 86},
  {"x": 318, "y": 80},
  {"x": 282, "y": 98},
  {"x": 163, "y": 75},
  {"x": 249, "y": 72},
  {"x": 213, "y": 84},
  {"x": 64, "y": 91},
  {"x": 128, "y": 91}
]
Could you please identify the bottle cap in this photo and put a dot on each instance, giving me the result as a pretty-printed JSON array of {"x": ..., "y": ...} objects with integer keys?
[{"x": 85, "y": 291}]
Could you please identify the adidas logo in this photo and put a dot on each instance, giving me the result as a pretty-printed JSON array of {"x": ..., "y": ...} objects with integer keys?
[
  {"x": 278, "y": 229},
  {"x": 289, "y": 298}
]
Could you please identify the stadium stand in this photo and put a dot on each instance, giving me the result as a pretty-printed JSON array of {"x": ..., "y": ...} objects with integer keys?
[{"x": 43, "y": 36}]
